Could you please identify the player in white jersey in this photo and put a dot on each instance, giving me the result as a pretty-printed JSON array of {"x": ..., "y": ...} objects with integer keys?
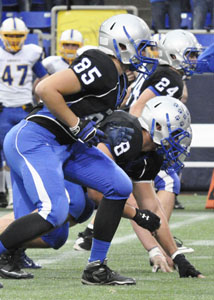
[{"x": 18, "y": 62}]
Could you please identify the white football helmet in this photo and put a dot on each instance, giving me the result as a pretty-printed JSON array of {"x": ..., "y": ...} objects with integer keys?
[
  {"x": 126, "y": 37},
  {"x": 179, "y": 48},
  {"x": 13, "y": 33},
  {"x": 168, "y": 121},
  {"x": 70, "y": 41}
]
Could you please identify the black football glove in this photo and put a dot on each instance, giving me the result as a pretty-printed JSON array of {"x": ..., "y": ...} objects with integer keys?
[
  {"x": 185, "y": 268},
  {"x": 147, "y": 219},
  {"x": 85, "y": 130},
  {"x": 118, "y": 134}
]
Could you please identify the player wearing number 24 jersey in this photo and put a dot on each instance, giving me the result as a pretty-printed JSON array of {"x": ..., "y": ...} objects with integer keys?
[{"x": 164, "y": 81}]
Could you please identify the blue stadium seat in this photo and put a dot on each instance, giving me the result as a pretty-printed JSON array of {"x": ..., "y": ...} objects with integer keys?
[
  {"x": 10, "y": 3},
  {"x": 186, "y": 20},
  {"x": 32, "y": 38},
  {"x": 36, "y": 19}
]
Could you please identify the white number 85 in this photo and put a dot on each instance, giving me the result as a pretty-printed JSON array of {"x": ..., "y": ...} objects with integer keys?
[{"x": 88, "y": 76}]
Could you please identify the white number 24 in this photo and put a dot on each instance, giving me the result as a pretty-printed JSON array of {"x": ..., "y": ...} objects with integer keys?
[{"x": 161, "y": 85}]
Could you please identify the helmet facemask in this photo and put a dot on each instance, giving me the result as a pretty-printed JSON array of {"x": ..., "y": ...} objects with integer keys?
[
  {"x": 175, "y": 149},
  {"x": 190, "y": 60},
  {"x": 13, "y": 42},
  {"x": 68, "y": 50}
]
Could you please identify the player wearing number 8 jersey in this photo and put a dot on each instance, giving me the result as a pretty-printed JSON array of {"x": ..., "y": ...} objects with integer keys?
[{"x": 52, "y": 143}]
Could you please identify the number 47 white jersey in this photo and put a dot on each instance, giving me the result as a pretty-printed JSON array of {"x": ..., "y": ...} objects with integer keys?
[{"x": 16, "y": 75}]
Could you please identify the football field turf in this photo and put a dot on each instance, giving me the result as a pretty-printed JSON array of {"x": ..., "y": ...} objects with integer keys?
[{"x": 59, "y": 278}]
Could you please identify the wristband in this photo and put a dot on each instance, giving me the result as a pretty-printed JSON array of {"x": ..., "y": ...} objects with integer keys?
[
  {"x": 154, "y": 251},
  {"x": 76, "y": 129}
]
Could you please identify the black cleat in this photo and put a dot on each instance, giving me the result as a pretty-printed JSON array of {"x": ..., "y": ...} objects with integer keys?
[
  {"x": 3, "y": 200},
  {"x": 9, "y": 268},
  {"x": 178, "y": 205},
  {"x": 97, "y": 273},
  {"x": 84, "y": 241},
  {"x": 24, "y": 261},
  {"x": 182, "y": 249}
]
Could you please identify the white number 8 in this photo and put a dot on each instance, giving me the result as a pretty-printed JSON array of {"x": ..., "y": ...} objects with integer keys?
[{"x": 122, "y": 148}]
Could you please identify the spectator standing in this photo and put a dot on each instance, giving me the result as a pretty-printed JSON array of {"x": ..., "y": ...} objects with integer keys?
[
  {"x": 200, "y": 9},
  {"x": 162, "y": 7}
]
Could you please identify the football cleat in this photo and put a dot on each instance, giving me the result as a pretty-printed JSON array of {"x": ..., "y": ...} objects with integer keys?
[
  {"x": 84, "y": 240},
  {"x": 97, "y": 273},
  {"x": 181, "y": 248},
  {"x": 9, "y": 269},
  {"x": 178, "y": 205},
  {"x": 25, "y": 262}
]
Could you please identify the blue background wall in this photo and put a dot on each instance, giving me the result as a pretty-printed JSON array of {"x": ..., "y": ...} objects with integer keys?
[{"x": 201, "y": 105}]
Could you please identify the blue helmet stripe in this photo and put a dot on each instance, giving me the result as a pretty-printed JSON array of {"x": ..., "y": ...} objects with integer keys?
[
  {"x": 14, "y": 23},
  {"x": 72, "y": 33}
]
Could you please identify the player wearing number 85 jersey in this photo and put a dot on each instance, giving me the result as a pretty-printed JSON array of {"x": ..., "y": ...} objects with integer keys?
[{"x": 51, "y": 144}]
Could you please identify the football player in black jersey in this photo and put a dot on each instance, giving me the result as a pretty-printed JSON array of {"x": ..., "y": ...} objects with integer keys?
[
  {"x": 178, "y": 51},
  {"x": 166, "y": 80},
  {"x": 166, "y": 129},
  {"x": 52, "y": 143}
]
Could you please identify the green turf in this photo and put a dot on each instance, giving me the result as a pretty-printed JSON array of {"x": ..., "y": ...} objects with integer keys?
[{"x": 60, "y": 276}]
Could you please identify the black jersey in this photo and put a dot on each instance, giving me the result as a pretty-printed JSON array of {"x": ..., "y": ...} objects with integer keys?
[
  {"x": 102, "y": 91},
  {"x": 164, "y": 81},
  {"x": 138, "y": 165}
]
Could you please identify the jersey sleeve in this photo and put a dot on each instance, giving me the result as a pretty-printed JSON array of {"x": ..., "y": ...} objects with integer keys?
[
  {"x": 36, "y": 53},
  {"x": 92, "y": 68},
  {"x": 47, "y": 63}
]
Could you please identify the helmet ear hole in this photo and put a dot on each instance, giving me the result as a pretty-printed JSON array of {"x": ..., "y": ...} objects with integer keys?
[
  {"x": 172, "y": 56},
  {"x": 122, "y": 46},
  {"x": 158, "y": 127}
]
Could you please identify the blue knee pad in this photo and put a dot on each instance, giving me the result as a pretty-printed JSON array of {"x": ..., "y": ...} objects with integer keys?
[{"x": 57, "y": 238}]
